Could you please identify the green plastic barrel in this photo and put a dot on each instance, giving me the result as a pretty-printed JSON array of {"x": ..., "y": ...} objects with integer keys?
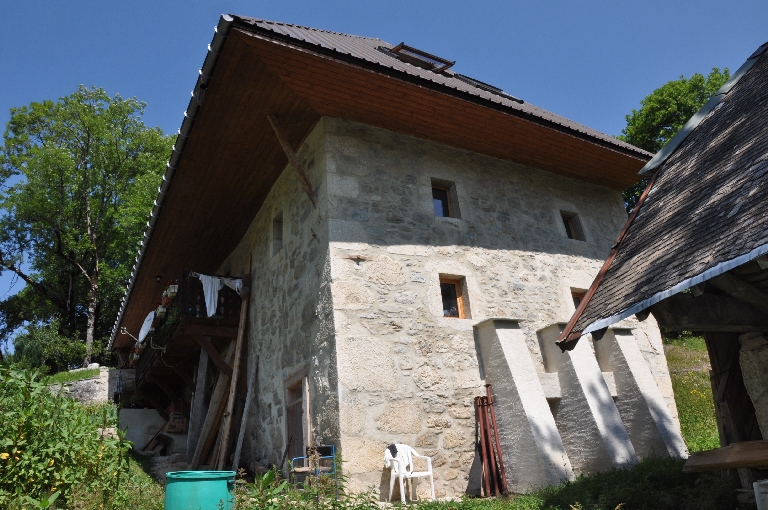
[{"x": 199, "y": 490}]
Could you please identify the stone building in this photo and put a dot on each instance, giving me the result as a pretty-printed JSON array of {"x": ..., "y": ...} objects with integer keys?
[
  {"x": 694, "y": 255},
  {"x": 412, "y": 234}
]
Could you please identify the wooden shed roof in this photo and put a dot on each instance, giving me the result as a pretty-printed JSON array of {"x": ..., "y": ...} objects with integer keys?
[
  {"x": 703, "y": 213},
  {"x": 227, "y": 156}
]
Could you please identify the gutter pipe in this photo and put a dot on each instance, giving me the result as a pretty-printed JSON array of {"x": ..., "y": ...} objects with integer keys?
[{"x": 221, "y": 31}]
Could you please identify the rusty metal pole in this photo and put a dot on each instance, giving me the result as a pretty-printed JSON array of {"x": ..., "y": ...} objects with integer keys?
[
  {"x": 483, "y": 452},
  {"x": 496, "y": 437},
  {"x": 489, "y": 442}
]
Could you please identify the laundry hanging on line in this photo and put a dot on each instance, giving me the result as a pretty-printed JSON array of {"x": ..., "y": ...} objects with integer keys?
[{"x": 211, "y": 287}]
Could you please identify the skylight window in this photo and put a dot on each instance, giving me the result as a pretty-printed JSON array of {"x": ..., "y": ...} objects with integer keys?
[{"x": 420, "y": 58}]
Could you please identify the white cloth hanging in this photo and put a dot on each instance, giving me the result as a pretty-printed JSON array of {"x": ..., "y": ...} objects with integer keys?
[{"x": 211, "y": 287}]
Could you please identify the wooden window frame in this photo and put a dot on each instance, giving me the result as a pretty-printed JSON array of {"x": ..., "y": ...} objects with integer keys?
[
  {"x": 299, "y": 385},
  {"x": 459, "y": 285},
  {"x": 575, "y": 293},
  {"x": 449, "y": 188}
]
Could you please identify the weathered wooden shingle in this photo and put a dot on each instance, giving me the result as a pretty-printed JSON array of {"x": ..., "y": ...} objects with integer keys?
[{"x": 705, "y": 212}]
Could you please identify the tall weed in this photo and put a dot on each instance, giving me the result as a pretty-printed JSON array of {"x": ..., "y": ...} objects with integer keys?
[{"x": 50, "y": 444}]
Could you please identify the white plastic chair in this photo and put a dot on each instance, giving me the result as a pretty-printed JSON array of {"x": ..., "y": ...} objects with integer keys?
[{"x": 406, "y": 471}]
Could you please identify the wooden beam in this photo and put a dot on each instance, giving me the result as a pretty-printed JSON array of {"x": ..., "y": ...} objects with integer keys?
[
  {"x": 227, "y": 425},
  {"x": 709, "y": 312},
  {"x": 212, "y": 417},
  {"x": 294, "y": 161},
  {"x": 205, "y": 343},
  {"x": 749, "y": 454},
  {"x": 741, "y": 290},
  {"x": 248, "y": 396}
]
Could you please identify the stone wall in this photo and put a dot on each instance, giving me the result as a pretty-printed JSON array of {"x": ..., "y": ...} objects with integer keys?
[
  {"x": 290, "y": 329},
  {"x": 353, "y": 299},
  {"x": 406, "y": 373}
]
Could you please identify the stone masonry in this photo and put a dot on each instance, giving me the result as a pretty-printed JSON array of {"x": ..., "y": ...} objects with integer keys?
[{"x": 353, "y": 300}]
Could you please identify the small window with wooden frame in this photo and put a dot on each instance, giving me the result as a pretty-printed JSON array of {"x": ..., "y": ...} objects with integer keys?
[
  {"x": 577, "y": 296},
  {"x": 444, "y": 199},
  {"x": 454, "y": 297},
  {"x": 297, "y": 419},
  {"x": 572, "y": 225}
]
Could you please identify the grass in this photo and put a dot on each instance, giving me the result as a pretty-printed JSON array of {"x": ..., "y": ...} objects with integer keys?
[
  {"x": 653, "y": 484},
  {"x": 689, "y": 369},
  {"x": 77, "y": 375}
]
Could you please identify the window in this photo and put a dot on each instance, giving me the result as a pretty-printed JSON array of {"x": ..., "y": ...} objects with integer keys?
[
  {"x": 277, "y": 234},
  {"x": 577, "y": 296},
  {"x": 572, "y": 226},
  {"x": 454, "y": 302},
  {"x": 444, "y": 199}
]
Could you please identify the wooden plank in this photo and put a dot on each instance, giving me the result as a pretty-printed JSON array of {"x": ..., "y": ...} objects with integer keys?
[
  {"x": 293, "y": 160},
  {"x": 213, "y": 415},
  {"x": 214, "y": 437},
  {"x": 227, "y": 425},
  {"x": 749, "y": 454},
  {"x": 248, "y": 396},
  {"x": 213, "y": 354},
  {"x": 198, "y": 404}
]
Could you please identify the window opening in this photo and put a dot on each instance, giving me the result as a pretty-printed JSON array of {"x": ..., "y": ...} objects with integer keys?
[
  {"x": 277, "y": 234},
  {"x": 419, "y": 58},
  {"x": 442, "y": 202},
  {"x": 444, "y": 199},
  {"x": 572, "y": 226},
  {"x": 452, "y": 293},
  {"x": 577, "y": 296}
]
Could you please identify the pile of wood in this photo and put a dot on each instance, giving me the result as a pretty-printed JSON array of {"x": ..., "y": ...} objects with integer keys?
[{"x": 215, "y": 448}]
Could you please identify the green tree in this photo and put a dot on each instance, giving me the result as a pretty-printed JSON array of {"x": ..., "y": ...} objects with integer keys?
[
  {"x": 663, "y": 112},
  {"x": 80, "y": 175}
]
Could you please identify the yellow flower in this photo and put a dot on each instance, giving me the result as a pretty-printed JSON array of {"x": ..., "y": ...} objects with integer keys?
[
  {"x": 50, "y": 463},
  {"x": 4, "y": 456}
]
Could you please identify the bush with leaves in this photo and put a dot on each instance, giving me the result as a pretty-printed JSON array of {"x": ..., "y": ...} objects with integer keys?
[{"x": 50, "y": 444}]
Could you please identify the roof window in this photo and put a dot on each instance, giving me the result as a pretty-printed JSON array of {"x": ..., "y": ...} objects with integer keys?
[{"x": 420, "y": 58}]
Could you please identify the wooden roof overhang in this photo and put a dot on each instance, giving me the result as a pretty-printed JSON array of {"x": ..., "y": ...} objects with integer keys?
[{"x": 232, "y": 157}]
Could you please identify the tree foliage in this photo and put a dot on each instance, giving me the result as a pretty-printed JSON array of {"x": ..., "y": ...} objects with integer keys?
[
  {"x": 80, "y": 175},
  {"x": 663, "y": 112}
]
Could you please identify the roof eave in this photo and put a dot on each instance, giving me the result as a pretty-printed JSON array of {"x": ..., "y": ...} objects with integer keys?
[{"x": 221, "y": 32}]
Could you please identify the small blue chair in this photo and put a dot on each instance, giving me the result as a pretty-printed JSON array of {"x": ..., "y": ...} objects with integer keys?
[{"x": 326, "y": 464}]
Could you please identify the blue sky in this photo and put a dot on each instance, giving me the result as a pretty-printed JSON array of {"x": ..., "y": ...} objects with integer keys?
[{"x": 590, "y": 61}]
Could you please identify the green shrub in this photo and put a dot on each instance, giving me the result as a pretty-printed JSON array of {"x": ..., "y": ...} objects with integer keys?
[{"x": 50, "y": 444}]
